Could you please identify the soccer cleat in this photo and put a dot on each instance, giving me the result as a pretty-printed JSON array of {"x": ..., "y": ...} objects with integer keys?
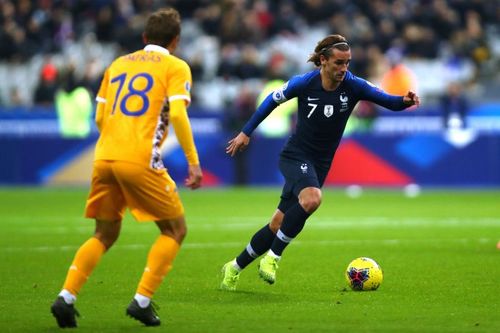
[
  {"x": 230, "y": 276},
  {"x": 65, "y": 313},
  {"x": 267, "y": 268},
  {"x": 148, "y": 315}
]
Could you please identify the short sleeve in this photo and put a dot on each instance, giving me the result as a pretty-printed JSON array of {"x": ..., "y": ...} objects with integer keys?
[
  {"x": 179, "y": 82},
  {"x": 103, "y": 89}
]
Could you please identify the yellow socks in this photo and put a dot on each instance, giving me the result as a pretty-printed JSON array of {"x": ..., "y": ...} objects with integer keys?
[
  {"x": 159, "y": 263},
  {"x": 86, "y": 258}
]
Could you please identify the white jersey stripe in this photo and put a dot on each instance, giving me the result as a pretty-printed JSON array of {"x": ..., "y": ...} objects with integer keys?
[{"x": 176, "y": 97}]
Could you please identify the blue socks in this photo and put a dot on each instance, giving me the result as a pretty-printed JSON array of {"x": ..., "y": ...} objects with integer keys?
[
  {"x": 259, "y": 244},
  {"x": 264, "y": 239},
  {"x": 293, "y": 223}
]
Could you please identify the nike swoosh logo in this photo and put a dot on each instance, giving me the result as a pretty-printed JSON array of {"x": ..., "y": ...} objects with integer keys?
[{"x": 312, "y": 99}]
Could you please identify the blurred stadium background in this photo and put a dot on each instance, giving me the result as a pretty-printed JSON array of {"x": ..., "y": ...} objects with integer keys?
[{"x": 448, "y": 50}]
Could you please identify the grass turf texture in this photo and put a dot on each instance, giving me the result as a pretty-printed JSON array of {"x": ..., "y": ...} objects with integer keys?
[{"x": 441, "y": 266}]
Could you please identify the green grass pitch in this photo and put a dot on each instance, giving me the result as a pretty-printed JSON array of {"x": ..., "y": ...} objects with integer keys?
[{"x": 438, "y": 252}]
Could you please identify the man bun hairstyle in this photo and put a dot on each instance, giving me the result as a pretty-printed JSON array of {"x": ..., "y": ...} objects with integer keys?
[
  {"x": 163, "y": 26},
  {"x": 325, "y": 46}
]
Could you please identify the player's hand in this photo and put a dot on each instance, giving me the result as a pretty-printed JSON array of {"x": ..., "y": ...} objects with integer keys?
[
  {"x": 411, "y": 99},
  {"x": 239, "y": 143},
  {"x": 195, "y": 176}
]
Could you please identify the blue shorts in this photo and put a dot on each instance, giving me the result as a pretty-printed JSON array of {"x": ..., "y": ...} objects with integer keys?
[{"x": 299, "y": 174}]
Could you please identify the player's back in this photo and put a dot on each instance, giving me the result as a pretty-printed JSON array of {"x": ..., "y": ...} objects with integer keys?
[{"x": 135, "y": 88}]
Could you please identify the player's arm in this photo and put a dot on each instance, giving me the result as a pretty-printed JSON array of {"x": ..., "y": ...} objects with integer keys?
[
  {"x": 184, "y": 134},
  {"x": 288, "y": 91},
  {"x": 242, "y": 140},
  {"x": 265, "y": 108},
  {"x": 99, "y": 113},
  {"x": 101, "y": 101},
  {"x": 376, "y": 95},
  {"x": 178, "y": 93}
]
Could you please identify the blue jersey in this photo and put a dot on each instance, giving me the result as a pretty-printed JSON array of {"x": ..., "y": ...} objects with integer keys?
[{"x": 322, "y": 115}]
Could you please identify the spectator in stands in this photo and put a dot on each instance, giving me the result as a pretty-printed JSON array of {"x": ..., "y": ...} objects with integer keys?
[
  {"x": 317, "y": 11},
  {"x": 104, "y": 24},
  {"x": 47, "y": 86},
  {"x": 209, "y": 18},
  {"x": 15, "y": 98},
  {"x": 228, "y": 61},
  {"x": 399, "y": 78},
  {"x": 427, "y": 29},
  {"x": 454, "y": 107},
  {"x": 279, "y": 123},
  {"x": 232, "y": 29},
  {"x": 243, "y": 107},
  {"x": 73, "y": 106},
  {"x": 287, "y": 21},
  {"x": 92, "y": 75},
  {"x": 249, "y": 66}
]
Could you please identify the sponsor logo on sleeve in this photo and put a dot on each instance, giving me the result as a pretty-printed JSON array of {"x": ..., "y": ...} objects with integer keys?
[{"x": 278, "y": 95}]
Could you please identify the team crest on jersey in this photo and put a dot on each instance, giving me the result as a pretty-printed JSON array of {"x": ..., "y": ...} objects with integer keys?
[
  {"x": 303, "y": 167},
  {"x": 328, "y": 110},
  {"x": 344, "y": 106}
]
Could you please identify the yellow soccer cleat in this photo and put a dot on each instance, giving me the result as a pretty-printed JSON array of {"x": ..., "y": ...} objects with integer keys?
[
  {"x": 230, "y": 277},
  {"x": 267, "y": 268}
]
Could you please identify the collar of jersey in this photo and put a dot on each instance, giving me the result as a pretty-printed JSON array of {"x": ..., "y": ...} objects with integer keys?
[{"x": 156, "y": 48}]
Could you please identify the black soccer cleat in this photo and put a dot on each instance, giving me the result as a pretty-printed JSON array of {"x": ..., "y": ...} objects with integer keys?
[
  {"x": 147, "y": 315},
  {"x": 65, "y": 313}
]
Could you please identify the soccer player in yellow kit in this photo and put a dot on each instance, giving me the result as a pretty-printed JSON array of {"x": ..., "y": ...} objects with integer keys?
[{"x": 140, "y": 94}]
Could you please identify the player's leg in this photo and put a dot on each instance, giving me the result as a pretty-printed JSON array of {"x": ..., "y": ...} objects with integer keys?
[
  {"x": 293, "y": 223},
  {"x": 302, "y": 182},
  {"x": 259, "y": 243},
  {"x": 152, "y": 195},
  {"x": 86, "y": 259},
  {"x": 89, "y": 254},
  {"x": 161, "y": 256},
  {"x": 105, "y": 200},
  {"x": 159, "y": 263},
  {"x": 295, "y": 219}
]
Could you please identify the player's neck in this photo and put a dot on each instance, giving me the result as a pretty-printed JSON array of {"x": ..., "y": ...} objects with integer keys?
[{"x": 327, "y": 83}]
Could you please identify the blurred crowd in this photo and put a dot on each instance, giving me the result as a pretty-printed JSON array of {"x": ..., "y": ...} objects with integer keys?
[{"x": 236, "y": 45}]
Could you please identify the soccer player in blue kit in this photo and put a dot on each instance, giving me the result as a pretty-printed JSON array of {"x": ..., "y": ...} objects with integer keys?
[{"x": 326, "y": 98}]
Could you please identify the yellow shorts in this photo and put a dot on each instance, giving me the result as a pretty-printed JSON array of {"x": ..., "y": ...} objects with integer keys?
[{"x": 151, "y": 195}]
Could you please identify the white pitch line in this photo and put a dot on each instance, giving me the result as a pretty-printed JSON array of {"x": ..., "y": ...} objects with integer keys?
[
  {"x": 307, "y": 243},
  {"x": 252, "y": 223}
]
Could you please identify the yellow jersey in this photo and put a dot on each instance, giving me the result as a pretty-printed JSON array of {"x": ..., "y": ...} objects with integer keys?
[{"x": 133, "y": 113}]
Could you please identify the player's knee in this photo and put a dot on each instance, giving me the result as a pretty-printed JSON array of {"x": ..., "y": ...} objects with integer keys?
[
  {"x": 107, "y": 232},
  {"x": 175, "y": 228},
  {"x": 181, "y": 233},
  {"x": 276, "y": 221},
  {"x": 107, "y": 239},
  {"x": 275, "y": 224},
  {"x": 311, "y": 202}
]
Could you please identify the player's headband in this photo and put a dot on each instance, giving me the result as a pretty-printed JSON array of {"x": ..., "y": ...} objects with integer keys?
[{"x": 333, "y": 45}]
